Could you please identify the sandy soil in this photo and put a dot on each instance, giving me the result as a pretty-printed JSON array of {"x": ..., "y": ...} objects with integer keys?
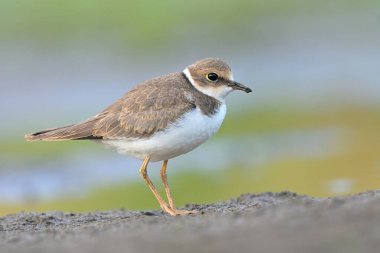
[{"x": 269, "y": 222}]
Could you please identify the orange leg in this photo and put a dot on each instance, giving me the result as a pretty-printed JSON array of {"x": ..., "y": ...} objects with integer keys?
[
  {"x": 168, "y": 193},
  {"x": 144, "y": 174}
]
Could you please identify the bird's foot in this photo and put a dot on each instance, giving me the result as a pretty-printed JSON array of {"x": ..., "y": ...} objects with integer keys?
[
  {"x": 166, "y": 208},
  {"x": 173, "y": 211},
  {"x": 184, "y": 212}
]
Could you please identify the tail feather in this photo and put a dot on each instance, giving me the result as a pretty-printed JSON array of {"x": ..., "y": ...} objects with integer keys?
[{"x": 79, "y": 131}]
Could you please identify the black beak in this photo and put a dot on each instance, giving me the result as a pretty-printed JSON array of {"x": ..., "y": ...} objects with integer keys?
[{"x": 239, "y": 86}]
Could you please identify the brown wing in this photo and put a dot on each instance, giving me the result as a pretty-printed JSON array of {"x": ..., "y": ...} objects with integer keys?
[
  {"x": 149, "y": 108},
  {"x": 146, "y": 109}
]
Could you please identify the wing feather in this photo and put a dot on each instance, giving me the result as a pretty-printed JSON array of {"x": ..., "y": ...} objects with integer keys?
[
  {"x": 141, "y": 116},
  {"x": 148, "y": 108}
]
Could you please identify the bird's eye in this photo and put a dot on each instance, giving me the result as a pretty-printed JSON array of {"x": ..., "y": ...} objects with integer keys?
[{"x": 212, "y": 77}]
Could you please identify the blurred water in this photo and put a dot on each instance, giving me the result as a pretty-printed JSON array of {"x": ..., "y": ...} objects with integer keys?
[
  {"x": 83, "y": 171},
  {"x": 300, "y": 60},
  {"x": 341, "y": 185}
]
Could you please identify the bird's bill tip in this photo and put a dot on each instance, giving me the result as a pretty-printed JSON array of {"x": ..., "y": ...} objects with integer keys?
[{"x": 239, "y": 86}]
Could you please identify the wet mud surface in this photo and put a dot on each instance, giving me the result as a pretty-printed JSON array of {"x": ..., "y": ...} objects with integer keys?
[{"x": 269, "y": 222}]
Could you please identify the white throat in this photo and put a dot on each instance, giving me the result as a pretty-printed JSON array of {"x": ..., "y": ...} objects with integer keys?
[{"x": 219, "y": 93}]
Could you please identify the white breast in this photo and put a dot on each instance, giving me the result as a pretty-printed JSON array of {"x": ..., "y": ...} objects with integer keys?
[{"x": 187, "y": 133}]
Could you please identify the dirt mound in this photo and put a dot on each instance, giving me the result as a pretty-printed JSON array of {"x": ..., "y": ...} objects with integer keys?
[{"x": 269, "y": 222}]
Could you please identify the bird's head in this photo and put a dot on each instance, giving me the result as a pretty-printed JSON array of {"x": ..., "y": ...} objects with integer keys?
[{"x": 213, "y": 77}]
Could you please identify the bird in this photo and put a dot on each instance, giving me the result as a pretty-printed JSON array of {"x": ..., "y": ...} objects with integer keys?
[{"x": 159, "y": 119}]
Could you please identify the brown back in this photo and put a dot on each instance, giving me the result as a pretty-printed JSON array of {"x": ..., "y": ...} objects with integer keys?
[{"x": 148, "y": 108}]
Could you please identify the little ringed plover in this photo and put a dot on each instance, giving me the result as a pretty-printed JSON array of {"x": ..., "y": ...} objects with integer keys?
[{"x": 159, "y": 119}]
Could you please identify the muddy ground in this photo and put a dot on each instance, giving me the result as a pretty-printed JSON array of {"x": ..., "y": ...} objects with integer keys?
[{"x": 270, "y": 222}]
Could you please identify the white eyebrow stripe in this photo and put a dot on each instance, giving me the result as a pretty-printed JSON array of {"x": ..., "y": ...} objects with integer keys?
[{"x": 188, "y": 75}]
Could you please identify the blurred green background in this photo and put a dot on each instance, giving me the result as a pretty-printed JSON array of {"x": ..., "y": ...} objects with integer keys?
[{"x": 310, "y": 126}]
